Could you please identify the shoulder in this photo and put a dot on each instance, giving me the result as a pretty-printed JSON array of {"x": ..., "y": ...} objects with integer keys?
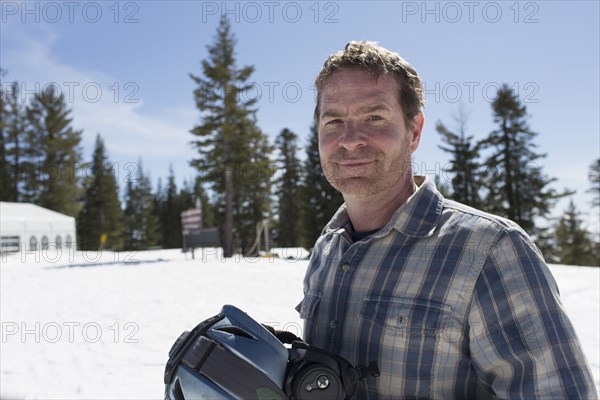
[
  {"x": 512, "y": 258},
  {"x": 504, "y": 238},
  {"x": 428, "y": 212},
  {"x": 455, "y": 213}
]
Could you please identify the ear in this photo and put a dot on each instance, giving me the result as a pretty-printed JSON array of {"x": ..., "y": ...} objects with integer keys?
[{"x": 416, "y": 130}]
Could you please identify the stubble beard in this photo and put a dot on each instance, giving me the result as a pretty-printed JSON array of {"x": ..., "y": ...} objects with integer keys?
[{"x": 387, "y": 172}]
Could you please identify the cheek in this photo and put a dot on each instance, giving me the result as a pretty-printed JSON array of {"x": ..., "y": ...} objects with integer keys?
[
  {"x": 323, "y": 151},
  {"x": 391, "y": 141},
  {"x": 326, "y": 144}
]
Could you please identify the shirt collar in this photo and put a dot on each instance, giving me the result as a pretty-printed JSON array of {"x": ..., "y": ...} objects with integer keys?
[{"x": 417, "y": 217}]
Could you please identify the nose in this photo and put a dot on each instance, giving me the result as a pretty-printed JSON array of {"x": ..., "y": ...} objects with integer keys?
[{"x": 352, "y": 138}]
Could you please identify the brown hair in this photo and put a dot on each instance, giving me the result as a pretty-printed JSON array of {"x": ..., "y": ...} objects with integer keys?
[{"x": 372, "y": 57}]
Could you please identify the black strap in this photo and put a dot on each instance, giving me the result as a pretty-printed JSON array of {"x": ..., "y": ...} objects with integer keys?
[
  {"x": 231, "y": 373},
  {"x": 182, "y": 345},
  {"x": 284, "y": 337}
]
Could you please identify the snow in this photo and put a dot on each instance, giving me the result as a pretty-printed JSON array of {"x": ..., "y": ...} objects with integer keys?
[{"x": 90, "y": 325}]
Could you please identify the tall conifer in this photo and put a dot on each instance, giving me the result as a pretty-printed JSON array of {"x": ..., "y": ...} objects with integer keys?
[
  {"x": 594, "y": 177},
  {"x": 574, "y": 243},
  {"x": 516, "y": 186},
  {"x": 464, "y": 162},
  {"x": 288, "y": 190},
  {"x": 100, "y": 222},
  {"x": 253, "y": 187},
  {"x": 15, "y": 145},
  {"x": 228, "y": 141},
  {"x": 55, "y": 153},
  {"x": 169, "y": 209},
  {"x": 141, "y": 222},
  {"x": 6, "y": 175}
]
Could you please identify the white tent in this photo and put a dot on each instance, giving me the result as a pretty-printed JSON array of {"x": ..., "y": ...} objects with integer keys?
[{"x": 26, "y": 226}]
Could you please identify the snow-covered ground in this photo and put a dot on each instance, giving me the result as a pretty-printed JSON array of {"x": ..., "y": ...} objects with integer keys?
[{"x": 99, "y": 326}]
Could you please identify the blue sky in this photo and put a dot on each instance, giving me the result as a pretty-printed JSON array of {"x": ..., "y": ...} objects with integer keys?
[{"x": 124, "y": 68}]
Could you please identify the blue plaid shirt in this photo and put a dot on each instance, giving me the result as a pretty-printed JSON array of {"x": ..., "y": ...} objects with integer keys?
[{"x": 451, "y": 302}]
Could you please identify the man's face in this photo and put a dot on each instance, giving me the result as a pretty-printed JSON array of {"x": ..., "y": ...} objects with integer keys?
[{"x": 364, "y": 144}]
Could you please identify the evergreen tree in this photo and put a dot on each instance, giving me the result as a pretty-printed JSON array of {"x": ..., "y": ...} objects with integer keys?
[
  {"x": 224, "y": 137},
  {"x": 6, "y": 184},
  {"x": 14, "y": 145},
  {"x": 320, "y": 199},
  {"x": 594, "y": 177},
  {"x": 253, "y": 188},
  {"x": 464, "y": 164},
  {"x": 170, "y": 209},
  {"x": 140, "y": 220},
  {"x": 57, "y": 155},
  {"x": 574, "y": 245},
  {"x": 158, "y": 202},
  {"x": 288, "y": 192},
  {"x": 101, "y": 217},
  {"x": 516, "y": 186}
]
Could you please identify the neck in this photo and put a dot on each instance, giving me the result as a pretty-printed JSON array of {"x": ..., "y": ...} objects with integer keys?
[{"x": 369, "y": 213}]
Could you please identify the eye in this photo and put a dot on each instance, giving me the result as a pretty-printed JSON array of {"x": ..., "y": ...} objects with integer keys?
[
  {"x": 375, "y": 118},
  {"x": 333, "y": 121}
]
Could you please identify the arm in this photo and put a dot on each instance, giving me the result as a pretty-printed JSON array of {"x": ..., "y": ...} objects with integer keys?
[{"x": 522, "y": 342}]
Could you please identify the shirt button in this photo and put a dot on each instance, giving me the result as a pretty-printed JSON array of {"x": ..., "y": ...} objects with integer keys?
[
  {"x": 333, "y": 324},
  {"x": 346, "y": 267}
]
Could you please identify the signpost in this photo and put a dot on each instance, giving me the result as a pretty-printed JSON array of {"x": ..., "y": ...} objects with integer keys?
[
  {"x": 191, "y": 220},
  {"x": 194, "y": 235}
]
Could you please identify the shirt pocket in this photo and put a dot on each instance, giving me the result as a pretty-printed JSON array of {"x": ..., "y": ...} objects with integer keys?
[
  {"x": 308, "y": 306},
  {"x": 407, "y": 315}
]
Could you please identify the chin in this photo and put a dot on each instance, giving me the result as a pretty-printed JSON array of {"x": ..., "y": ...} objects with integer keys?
[{"x": 356, "y": 187}]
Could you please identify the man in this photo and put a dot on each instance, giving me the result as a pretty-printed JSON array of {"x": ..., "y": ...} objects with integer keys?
[{"x": 451, "y": 302}]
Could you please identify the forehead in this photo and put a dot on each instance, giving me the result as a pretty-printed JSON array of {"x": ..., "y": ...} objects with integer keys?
[{"x": 358, "y": 86}]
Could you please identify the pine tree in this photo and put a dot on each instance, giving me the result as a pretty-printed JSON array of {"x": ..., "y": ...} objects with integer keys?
[
  {"x": 253, "y": 188},
  {"x": 6, "y": 175},
  {"x": 158, "y": 202},
  {"x": 516, "y": 186},
  {"x": 545, "y": 240},
  {"x": 170, "y": 209},
  {"x": 57, "y": 154},
  {"x": 594, "y": 177},
  {"x": 574, "y": 245},
  {"x": 320, "y": 199},
  {"x": 464, "y": 164},
  {"x": 225, "y": 137},
  {"x": 288, "y": 192},
  {"x": 14, "y": 145},
  {"x": 100, "y": 222},
  {"x": 140, "y": 220}
]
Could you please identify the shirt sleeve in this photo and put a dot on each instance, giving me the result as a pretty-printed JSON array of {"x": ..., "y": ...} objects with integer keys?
[{"x": 522, "y": 343}]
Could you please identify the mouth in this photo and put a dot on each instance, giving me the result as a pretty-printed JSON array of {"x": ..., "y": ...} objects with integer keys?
[{"x": 355, "y": 163}]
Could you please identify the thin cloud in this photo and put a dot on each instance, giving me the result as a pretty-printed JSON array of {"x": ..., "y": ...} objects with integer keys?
[{"x": 100, "y": 103}]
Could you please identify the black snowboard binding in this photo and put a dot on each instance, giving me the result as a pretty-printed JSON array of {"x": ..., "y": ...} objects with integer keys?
[{"x": 231, "y": 356}]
